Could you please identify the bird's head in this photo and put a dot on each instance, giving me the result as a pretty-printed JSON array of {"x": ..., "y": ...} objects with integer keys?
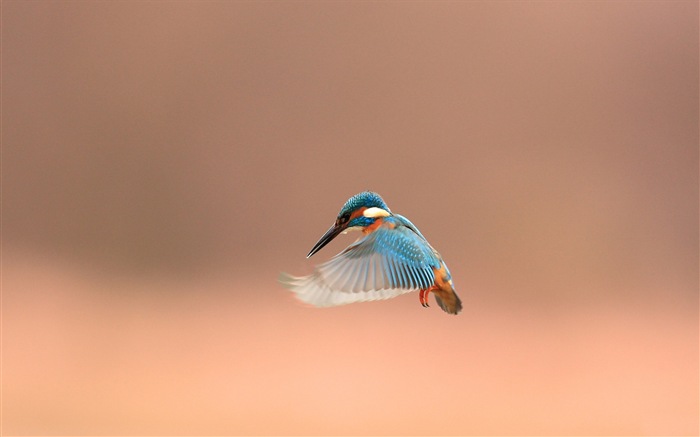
[{"x": 360, "y": 211}]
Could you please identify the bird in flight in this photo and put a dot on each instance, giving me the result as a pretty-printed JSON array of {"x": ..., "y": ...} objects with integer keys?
[{"x": 391, "y": 258}]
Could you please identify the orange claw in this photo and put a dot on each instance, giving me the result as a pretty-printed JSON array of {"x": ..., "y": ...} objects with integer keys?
[{"x": 423, "y": 296}]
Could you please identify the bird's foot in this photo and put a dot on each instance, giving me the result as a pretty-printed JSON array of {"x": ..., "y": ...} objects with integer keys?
[{"x": 423, "y": 296}]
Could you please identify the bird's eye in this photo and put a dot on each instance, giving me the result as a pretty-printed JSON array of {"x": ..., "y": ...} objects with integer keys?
[{"x": 344, "y": 218}]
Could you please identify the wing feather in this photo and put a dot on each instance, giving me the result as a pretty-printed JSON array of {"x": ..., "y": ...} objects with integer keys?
[
  {"x": 359, "y": 278},
  {"x": 384, "y": 264}
]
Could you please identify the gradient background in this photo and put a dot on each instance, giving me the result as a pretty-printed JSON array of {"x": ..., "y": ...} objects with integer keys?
[{"x": 164, "y": 161}]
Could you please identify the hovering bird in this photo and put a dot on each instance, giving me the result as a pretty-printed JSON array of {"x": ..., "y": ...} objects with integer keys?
[{"x": 390, "y": 259}]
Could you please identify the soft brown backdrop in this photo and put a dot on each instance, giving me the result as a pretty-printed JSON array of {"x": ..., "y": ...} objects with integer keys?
[{"x": 162, "y": 162}]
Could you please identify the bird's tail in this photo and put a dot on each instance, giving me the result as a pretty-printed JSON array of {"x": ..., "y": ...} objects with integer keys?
[{"x": 448, "y": 300}]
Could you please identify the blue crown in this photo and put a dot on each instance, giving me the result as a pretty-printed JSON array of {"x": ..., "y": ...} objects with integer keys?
[{"x": 368, "y": 199}]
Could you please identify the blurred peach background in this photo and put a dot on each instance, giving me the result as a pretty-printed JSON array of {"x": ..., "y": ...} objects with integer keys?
[{"x": 164, "y": 161}]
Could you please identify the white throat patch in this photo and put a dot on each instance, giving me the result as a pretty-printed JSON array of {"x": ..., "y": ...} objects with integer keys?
[{"x": 375, "y": 212}]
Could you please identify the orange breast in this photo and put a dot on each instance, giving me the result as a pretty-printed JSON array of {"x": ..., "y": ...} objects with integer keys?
[
  {"x": 441, "y": 278},
  {"x": 377, "y": 223}
]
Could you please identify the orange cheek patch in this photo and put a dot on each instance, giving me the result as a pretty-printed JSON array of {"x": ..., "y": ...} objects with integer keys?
[{"x": 358, "y": 212}]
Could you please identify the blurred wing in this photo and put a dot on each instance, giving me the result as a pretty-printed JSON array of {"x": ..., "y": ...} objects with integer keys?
[{"x": 384, "y": 264}]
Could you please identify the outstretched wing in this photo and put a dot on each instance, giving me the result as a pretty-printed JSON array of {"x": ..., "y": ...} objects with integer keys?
[{"x": 384, "y": 264}]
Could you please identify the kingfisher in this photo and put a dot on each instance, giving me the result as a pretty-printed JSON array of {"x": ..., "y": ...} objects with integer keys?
[{"x": 391, "y": 258}]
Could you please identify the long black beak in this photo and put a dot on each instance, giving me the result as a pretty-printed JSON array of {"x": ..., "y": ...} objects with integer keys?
[{"x": 327, "y": 237}]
